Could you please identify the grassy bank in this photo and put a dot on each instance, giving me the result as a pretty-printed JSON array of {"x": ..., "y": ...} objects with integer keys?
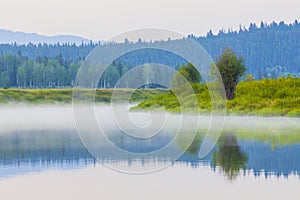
[
  {"x": 279, "y": 97},
  {"x": 64, "y": 96}
]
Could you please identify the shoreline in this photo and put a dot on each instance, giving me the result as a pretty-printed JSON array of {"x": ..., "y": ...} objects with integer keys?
[
  {"x": 263, "y": 98},
  {"x": 24, "y": 105}
]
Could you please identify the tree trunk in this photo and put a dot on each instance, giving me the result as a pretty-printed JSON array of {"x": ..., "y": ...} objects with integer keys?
[{"x": 230, "y": 89}]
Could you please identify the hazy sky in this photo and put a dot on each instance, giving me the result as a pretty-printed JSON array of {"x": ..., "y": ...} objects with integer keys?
[{"x": 102, "y": 19}]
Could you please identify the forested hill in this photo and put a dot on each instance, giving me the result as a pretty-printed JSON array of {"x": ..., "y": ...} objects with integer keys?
[{"x": 269, "y": 50}]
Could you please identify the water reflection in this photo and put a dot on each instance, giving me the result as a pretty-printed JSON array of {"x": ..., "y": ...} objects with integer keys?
[
  {"x": 23, "y": 152},
  {"x": 229, "y": 156},
  {"x": 195, "y": 146}
]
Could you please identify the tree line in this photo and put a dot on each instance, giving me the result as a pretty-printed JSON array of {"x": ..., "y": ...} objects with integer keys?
[
  {"x": 265, "y": 47},
  {"x": 269, "y": 50},
  {"x": 22, "y": 72}
]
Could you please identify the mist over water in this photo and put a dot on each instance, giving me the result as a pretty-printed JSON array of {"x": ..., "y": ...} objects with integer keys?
[
  {"x": 58, "y": 117},
  {"x": 129, "y": 135},
  {"x": 36, "y": 139}
]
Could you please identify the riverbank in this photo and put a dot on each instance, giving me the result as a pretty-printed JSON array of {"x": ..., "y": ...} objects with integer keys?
[
  {"x": 64, "y": 96},
  {"x": 270, "y": 97},
  {"x": 267, "y": 97}
]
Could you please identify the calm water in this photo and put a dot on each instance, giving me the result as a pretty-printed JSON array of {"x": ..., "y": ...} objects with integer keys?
[{"x": 42, "y": 157}]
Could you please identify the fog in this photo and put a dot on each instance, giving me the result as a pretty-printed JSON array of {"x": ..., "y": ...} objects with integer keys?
[
  {"x": 135, "y": 135},
  {"x": 57, "y": 117}
]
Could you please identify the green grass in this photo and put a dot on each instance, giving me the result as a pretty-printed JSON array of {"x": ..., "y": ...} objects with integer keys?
[
  {"x": 270, "y": 97},
  {"x": 64, "y": 96}
]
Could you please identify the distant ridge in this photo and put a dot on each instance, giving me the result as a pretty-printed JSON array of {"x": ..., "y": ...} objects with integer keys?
[
  {"x": 269, "y": 50},
  {"x": 9, "y": 37}
]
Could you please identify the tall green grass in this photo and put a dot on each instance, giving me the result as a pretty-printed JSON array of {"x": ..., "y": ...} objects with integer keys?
[
  {"x": 64, "y": 96},
  {"x": 267, "y": 97}
]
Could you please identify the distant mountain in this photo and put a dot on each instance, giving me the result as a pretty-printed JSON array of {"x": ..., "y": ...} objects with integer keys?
[{"x": 9, "y": 37}]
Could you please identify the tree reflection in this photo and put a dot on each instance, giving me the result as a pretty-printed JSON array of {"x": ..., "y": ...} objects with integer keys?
[
  {"x": 195, "y": 146},
  {"x": 229, "y": 156}
]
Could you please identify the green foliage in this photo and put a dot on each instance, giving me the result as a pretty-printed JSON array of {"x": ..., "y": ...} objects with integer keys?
[
  {"x": 189, "y": 72},
  {"x": 62, "y": 96},
  {"x": 262, "y": 46},
  {"x": 18, "y": 71},
  {"x": 249, "y": 78},
  {"x": 21, "y": 72},
  {"x": 193, "y": 74},
  {"x": 183, "y": 84},
  {"x": 269, "y": 51},
  {"x": 231, "y": 69},
  {"x": 230, "y": 156},
  {"x": 267, "y": 97},
  {"x": 185, "y": 76}
]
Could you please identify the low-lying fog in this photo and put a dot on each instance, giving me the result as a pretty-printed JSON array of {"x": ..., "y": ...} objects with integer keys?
[{"x": 54, "y": 117}]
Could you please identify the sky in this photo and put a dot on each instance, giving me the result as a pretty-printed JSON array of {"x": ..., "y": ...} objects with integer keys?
[{"x": 103, "y": 19}]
